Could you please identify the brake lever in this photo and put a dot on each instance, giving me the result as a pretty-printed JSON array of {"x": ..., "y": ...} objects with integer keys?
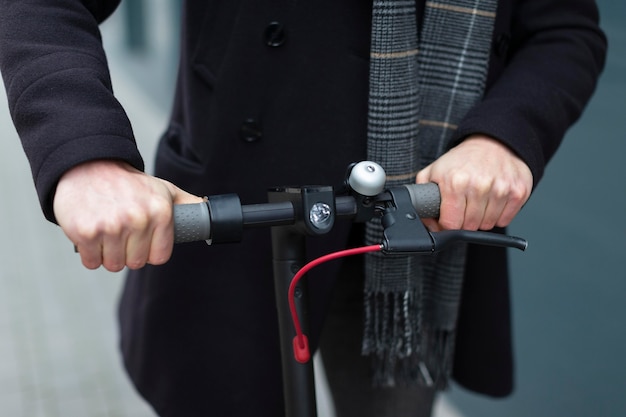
[
  {"x": 443, "y": 239},
  {"x": 404, "y": 232}
]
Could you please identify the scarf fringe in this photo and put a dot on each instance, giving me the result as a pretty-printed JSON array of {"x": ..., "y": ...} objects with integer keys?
[
  {"x": 411, "y": 305},
  {"x": 402, "y": 353}
]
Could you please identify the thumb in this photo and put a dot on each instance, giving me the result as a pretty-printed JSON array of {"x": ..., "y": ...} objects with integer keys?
[
  {"x": 423, "y": 176},
  {"x": 183, "y": 197},
  {"x": 180, "y": 196}
]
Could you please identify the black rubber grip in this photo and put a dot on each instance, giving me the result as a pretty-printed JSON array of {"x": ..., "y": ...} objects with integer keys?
[
  {"x": 192, "y": 222},
  {"x": 426, "y": 199}
]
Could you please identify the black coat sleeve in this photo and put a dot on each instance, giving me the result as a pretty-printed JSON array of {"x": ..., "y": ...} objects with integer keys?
[
  {"x": 555, "y": 55},
  {"x": 59, "y": 89}
]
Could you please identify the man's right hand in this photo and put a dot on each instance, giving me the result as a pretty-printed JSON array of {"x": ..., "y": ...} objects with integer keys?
[{"x": 116, "y": 215}]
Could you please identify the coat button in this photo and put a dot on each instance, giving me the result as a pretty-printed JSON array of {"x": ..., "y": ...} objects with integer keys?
[
  {"x": 250, "y": 131},
  {"x": 275, "y": 34}
]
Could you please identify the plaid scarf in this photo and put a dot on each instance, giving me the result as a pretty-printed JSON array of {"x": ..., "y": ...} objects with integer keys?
[{"x": 419, "y": 92}]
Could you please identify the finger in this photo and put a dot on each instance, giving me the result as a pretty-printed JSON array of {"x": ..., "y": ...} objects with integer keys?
[
  {"x": 87, "y": 242},
  {"x": 432, "y": 225},
  {"x": 162, "y": 244},
  {"x": 498, "y": 196},
  {"x": 481, "y": 194},
  {"x": 161, "y": 239},
  {"x": 138, "y": 225},
  {"x": 138, "y": 248},
  {"x": 114, "y": 250},
  {"x": 510, "y": 210},
  {"x": 90, "y": 254},
  {"x": 474, "y": 214},
  {"x": 180, "y": 196},
  {"x": 423, "y": 176},
  {"x": 453, "y": 187},
  {"x": 517, "y": 196},
  {"x": 187, "y": 198},
  {"x": 493, "y": 213},
  {"x": 452, "y": 210}
]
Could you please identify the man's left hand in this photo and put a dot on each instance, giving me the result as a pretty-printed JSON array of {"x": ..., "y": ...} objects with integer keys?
[{"x": 483, "y": 184}]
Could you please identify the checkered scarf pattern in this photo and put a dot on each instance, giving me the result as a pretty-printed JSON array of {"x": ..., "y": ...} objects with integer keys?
[{"x": 420, "y": 89}]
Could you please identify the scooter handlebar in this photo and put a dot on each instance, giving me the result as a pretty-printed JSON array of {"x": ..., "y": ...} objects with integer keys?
[{"x": 194, "y": 222}]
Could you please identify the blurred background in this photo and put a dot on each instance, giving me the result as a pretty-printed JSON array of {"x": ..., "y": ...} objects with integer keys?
[{"x": 58, "y": 341}]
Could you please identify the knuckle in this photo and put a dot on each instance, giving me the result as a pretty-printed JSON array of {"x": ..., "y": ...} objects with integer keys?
[
  {"x": 501, "y": 190},
  {"x": 137, "y": 257},
  {"x": 111, "y": 228},
  {"x": 449, "y": 223},
  {"x": 114, "y": 265},
  {"x": 459, "y": 180},
  {"x": 487, "y": 225},
  {"x": 95, "y": 228},
  {"x": 84, "y": 231},
  {"x": 160, "y": 253},
  {"x": 503, "y": 222},
  {"x": 159, "y": 260},
  {"x": 482, "y": 185},
  {"x": 136, "y": 264},
  {"x": 471, "y": 224},
  {"x": 138, "y": 220},
  {"x": 91, "y": 264},
  {"x": 519, "y": 194},
  {"x": 161, "y": 210}
]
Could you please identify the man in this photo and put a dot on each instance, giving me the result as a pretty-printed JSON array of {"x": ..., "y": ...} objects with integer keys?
[{"x": 272, "y": 93}]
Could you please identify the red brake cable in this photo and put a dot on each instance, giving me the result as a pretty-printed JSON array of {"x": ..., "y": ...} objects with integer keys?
[{"x": 301, "y": 350}]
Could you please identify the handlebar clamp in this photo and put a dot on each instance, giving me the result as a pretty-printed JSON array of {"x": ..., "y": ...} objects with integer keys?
[{"x": 403, "y": 231}]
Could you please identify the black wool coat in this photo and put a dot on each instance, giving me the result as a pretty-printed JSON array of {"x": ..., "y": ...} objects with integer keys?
[{"x": 271, "y": 93}]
